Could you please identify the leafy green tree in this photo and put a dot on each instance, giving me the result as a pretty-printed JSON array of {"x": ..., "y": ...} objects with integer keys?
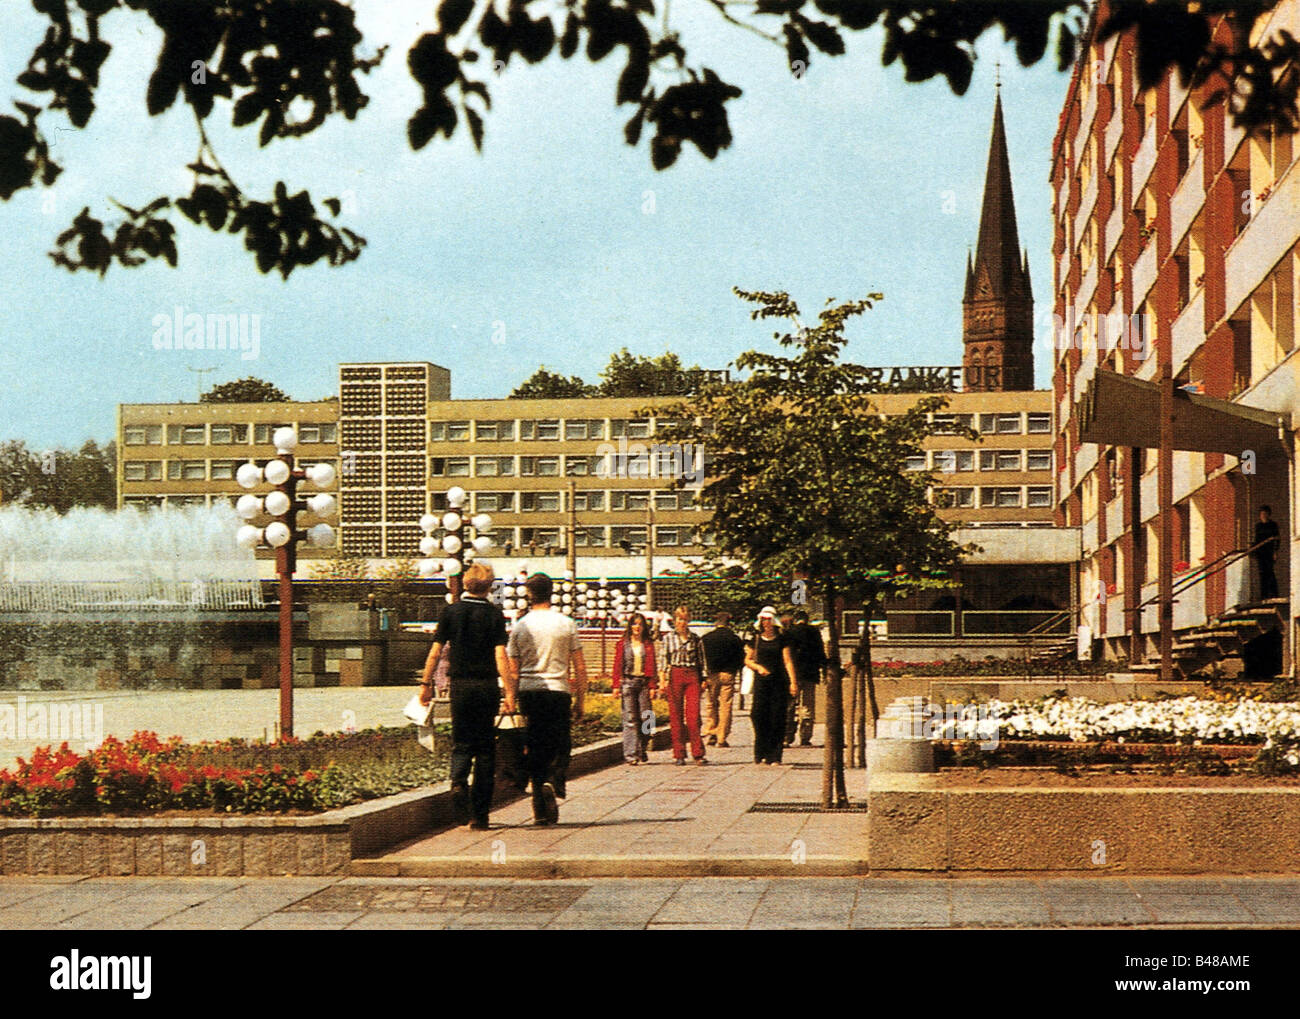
[
  {"x": 59, "y": 479},
  {"x": 807, "y": 478},
  {"x": 285, "y": 67},
  {"x": 249, "y": 390},
  {"x": 637, "y": 375},
  {"x": 546, "y": 385}
]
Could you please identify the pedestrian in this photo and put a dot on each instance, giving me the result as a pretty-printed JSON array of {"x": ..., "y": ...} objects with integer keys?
[
  {"x": 809, "y": 656},
  {"x": 683, "y": 671},
  {"x": 769, "y": 657},
  {"x": 1264, "y": 552},
  {"x": 474, "y": 632},
  {"x": 724, "y": 657},
  {"x": 635, "y": 676},
  {"x": 543, "y": 647}
]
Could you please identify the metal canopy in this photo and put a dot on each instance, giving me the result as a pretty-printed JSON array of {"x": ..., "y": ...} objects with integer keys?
[{"x": 1120, "y": 410}]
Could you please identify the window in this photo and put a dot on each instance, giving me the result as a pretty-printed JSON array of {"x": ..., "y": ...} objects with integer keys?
[
  {"x": 634, "y": 428},
  {"x": 448, "y": 431},
  {"x": 999, "y": 459},
  {"x": 545, "y": 431},
  {"x": 583, "y": 466},
  {"x": 187, "y": 470},
  {"x": 949, "y": 423},
  {"x": 671, "y": 536},
  {"x": 630, "y": 535},
  {"x": 539, "y": 502},
  {"x": 1040, "y": 424},
  {"x": 494, "y": 502},
  {"x": 624, "y": 500},
  {"x": 1038, "y": 460},
  {"x": 325, "y": 432},
  {"x": 1040, "y": 496},
  {"x": 914, "y": 463},
  {"x": 534, "y": 538},
  {"x": 494, "y": 466},
  {"x": 494, "y": 431},
  {"x": 589, "y": 537},
  {"x": 584, "y": 429},
  {"x": 589, "y": 500},
  {"x": 223, "y": 470},
  {"x": 142, "y": 470},
  {"x": 1000, "y": 424},
  {"x": 674, "y": 499},
  {"x": 949, "y": 460},
  {"x": 227, "y": 435},
  {"x": 954, "y": 498},
  {"x": 142, "y": 435},
  {"x": 187, "y": 435},
  {"x": 449, "y": 466},
  {"x": 143, "y": 501},
  {"x": 539, "y": 466},
  {"x": 1000, "y": 498}
]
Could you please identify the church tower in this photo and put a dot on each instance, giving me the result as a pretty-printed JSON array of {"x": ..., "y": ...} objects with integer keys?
[{"x": 998, "y": 306}]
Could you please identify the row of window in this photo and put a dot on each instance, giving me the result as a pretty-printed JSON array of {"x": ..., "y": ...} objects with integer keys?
[
  {"x": 1011, "y": 423},
  {"x": 188, "y": 470},
  {"x": 617, "y": 501},
  {"x": 949, "y": 461},
  {"x": 534, "y": 540},
  {"x": 999, "y": 497},
  {"x": 543, "y": 430},
  {"x": 224, "y": 434},
  {"x": 666, "y": 462}
]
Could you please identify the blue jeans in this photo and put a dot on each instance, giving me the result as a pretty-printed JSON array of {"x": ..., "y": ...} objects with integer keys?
[{"x": 636, "y": 704}]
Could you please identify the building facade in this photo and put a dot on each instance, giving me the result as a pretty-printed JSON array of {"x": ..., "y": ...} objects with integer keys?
[{"x": 1175, "y": 262}]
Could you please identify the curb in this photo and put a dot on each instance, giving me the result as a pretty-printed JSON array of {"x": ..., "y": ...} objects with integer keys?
[{"x": 609, "y": 866}]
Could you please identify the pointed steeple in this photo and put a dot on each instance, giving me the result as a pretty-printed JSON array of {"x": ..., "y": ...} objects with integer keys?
[
  {"x": 998, "y": 306},
  {"x": 999, "y": 244}
]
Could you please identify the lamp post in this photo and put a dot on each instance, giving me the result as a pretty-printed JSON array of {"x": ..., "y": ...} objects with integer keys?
[
  {"x": 282, "y": 534},
  {"x": 460, "y": 539}
]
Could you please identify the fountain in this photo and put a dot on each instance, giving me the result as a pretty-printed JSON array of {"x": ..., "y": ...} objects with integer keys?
[{"x": 132, "y": 599}]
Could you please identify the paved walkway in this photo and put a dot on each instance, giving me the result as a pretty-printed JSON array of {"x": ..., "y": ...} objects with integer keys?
[
  {"x": 658, "y": 819},
  {"x": 648, "y": 903}
]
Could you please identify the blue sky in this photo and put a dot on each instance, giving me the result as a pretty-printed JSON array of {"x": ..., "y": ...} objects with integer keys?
[{"x": 557, "y": 246}]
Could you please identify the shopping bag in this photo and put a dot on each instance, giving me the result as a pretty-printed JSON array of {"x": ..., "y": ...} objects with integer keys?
[
  {"x": 512, "y": 754},
  {"x": 746, "y": 681},
  {"x": 427, "y": 737},
  {"x": 420, "y": 714}
]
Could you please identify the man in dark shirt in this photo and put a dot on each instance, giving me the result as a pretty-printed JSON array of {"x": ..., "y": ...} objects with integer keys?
[
  {"x": 474, "y": 630},
  {"x": 1267, "y": 540},
  {"x": 724, "y": 657},
  {"x": 809, "y": 654}
]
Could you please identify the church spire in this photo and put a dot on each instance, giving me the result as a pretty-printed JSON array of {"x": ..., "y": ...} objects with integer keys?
[{"x": 997, "y": 304}]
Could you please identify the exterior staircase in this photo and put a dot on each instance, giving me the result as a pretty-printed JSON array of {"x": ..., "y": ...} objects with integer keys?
[{"x": 1227, "y": 644}]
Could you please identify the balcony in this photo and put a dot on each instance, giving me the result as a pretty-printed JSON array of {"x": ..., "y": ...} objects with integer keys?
[
  {"x": 1090, "y": 535},
  {"x": 1188, "y": 200},
  {"x": 1087, "y": 202},
  {"x": 1114, "y": 131},
  {"x": 1087, "y": 287},
  {"x": 1114, "y": 228},
  {"x": 1150, "y": 488},
  {"x": 1085, "y": 459},
  {"x": 1086, "y": 118},
  {"x": 1189, "y": 331},
  {"x": 1114, "y": 519},
  {"x": 1144, "y": 160},
  {"x": 1144, "y": 272},
  {"x": 1260, "y": 246}
]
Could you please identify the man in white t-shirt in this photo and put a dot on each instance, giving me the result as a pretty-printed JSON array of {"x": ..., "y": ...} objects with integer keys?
[{"x": 542, "y": 647}]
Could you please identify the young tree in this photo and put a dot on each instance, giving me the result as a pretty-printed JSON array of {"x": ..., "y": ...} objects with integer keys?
[
  {"x": 805, "y": 475},
  {"x": 286, "y": 67},
  {"x": 249, "y": 390}
]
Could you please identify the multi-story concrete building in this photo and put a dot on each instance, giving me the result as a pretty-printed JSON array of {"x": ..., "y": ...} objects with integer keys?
[{"x": 1175, "y": 262}]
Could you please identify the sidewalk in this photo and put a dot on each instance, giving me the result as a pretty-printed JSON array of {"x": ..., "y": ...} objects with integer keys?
[{"x": 660, "y": 820}]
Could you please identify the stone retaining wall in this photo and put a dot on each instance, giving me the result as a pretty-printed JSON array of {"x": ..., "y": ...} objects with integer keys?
[{"x": 918, "y": 825}]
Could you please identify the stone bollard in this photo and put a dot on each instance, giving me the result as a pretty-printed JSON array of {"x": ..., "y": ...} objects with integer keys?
[{"x": 900, "y": 744}]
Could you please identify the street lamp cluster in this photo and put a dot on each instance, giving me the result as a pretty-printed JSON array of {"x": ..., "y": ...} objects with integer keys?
[
  {"x": 459, "y": 538},
  {"x": 282, "y": 534}
]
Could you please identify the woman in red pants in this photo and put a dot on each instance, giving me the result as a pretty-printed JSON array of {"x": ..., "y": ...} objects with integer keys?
[{"x": 683, "y": 664}]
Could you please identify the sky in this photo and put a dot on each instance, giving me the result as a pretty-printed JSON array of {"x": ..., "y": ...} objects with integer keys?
[{"x": 556, "y": 246}]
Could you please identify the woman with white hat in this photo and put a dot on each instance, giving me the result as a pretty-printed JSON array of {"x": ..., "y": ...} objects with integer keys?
[{"x": 770, "y": 658}]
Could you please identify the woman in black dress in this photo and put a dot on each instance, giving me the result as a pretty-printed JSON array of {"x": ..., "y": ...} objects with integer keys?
[{"x": 770, "y": 658}]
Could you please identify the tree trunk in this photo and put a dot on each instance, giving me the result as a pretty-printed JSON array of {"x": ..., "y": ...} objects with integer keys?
[
  {"x": 865, "y": 690},
  {"x": 834, "y": 793},
  {"x": 855, "y": 709}
]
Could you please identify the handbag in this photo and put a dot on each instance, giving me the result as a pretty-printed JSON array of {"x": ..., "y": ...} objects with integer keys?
[
  {"x": 746, "y": 681},
  {"x": 512, "y": 750}
]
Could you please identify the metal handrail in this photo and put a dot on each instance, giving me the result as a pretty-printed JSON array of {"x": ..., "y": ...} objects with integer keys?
[{"x": 1189, "y": 581}]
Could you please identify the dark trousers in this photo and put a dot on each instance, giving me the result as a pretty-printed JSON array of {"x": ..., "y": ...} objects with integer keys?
[
  {"x": 473, "y": 740},
  {"x": 549, "y": 739},
  {"x": 770, "y": 696},
  {"x": 1267, "y": 577}
]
